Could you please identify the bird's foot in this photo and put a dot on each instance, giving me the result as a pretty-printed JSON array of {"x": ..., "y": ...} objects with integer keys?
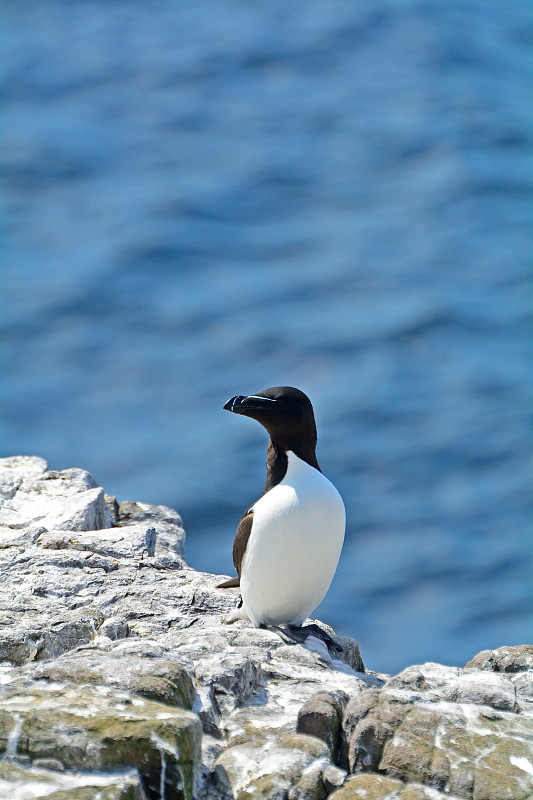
[
  {"x": 300, "y": 634},
  {"x": 236, "y": 614}
]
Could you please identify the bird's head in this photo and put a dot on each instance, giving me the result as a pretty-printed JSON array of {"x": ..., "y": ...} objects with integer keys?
[{"x": 285, "y": 412}]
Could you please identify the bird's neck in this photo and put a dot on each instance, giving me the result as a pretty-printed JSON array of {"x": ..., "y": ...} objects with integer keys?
[{"x": 277, "y": 461}]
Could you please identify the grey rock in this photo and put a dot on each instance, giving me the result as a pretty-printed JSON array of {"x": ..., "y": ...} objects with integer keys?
[
  {"x": 68, "y": 500},
  {"x": 102, "y": 729},
  {"x": 382, "y": 787},
  {"x": 150, "y": 539},
  {"x": 64, "y": 636},
  {"x": 112, "y": 510},
  {"x": 128, "y": 665},
  {"x": 504, "y": 659},
  {"x": 362, "y": 739},
  {"x": 350, "y": 653},
  {"x": 119, "y": 790},
  {"x": 48, "y": 763},
  {"x": 103, "y": 625},
  {"x": 333, "y": 778},
  {"x": 311, "y": 785},
  {"x": 134, "y": 513},
  {"x": 446, "y": 728},
  {"x": 523, "y": 685},
  {"x": 455, "y": 685},
  {"x": 127, "y": 542},
  {"x": 114, "y": 628},
  {"x": 31, "y": 641},
  {"x": 84, "y": 512},
  {"x": 44, "y": 780},
  {"x": 118, "y": 608},
  {"x": 233, "y": 675},
  {"x": 271, "y": 767},
  {"x": 17, "y": 469},
  {"x": 321, "y": 716},
  {"x": 102, "y": 642},
  {"x": 19, "y": 538}
]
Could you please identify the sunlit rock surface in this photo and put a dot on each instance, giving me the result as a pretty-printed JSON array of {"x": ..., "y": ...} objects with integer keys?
[
  {"x": 120, "y": 679},
  {"x": 53, "y": 782},
  {"x": 466, "y": 733}
]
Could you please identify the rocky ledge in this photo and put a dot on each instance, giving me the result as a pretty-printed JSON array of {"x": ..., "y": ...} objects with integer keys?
[{"x": 120, "y": 679}]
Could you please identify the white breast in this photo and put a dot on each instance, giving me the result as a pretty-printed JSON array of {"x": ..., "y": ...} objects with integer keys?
[{"x": 294, "y": 547}]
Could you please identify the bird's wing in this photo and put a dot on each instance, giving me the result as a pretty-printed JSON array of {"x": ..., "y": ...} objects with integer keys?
[{"x": 240, "y": 543}]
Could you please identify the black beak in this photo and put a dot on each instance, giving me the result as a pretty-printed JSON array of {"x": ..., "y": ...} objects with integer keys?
[
  {"x": 234, "y": 403},
  {"x": 242, "y": 405}
]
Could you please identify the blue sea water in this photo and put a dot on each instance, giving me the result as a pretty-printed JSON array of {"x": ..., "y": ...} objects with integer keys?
[{"x": 206, "y": 199}]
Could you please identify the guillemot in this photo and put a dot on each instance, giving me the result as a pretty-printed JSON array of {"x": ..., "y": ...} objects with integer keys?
[{"x": 288, "y": 543}]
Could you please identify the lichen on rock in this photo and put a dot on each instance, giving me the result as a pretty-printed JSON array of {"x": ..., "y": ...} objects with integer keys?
[{"x": 453, "y": 730}]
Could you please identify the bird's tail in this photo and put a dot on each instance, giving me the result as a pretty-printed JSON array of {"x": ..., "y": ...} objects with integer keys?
[{"x": 231, "y": 584}]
